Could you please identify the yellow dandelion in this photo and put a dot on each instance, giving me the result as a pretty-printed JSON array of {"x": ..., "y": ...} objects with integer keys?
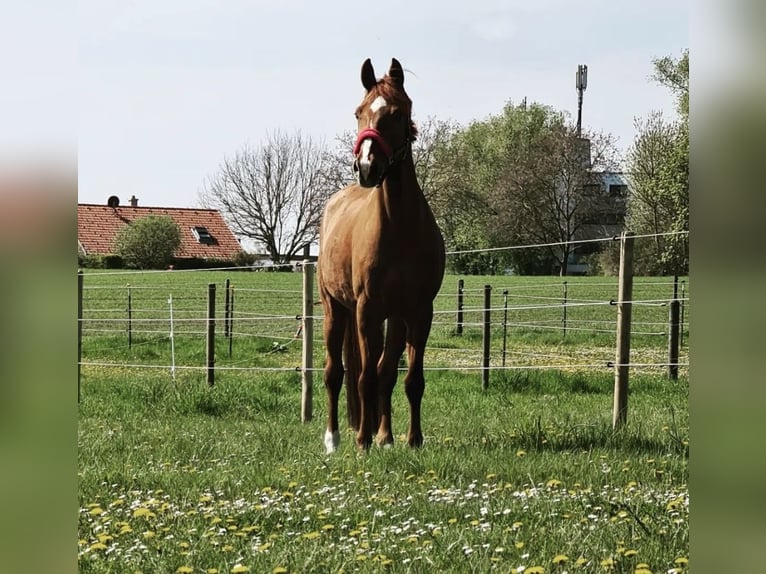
[
  {"x": 97, "y": 546},
  {"x": 264, "y": 547},
  {"x": 535, "y": 570},
  {"x": 681, "y": 561},
  {"x": 328, "y": 527},
  {"x": 452, "y": 521},
  {"x": 143, "y": 511},
  {"x": 642, "y": 571},
  {"x": 149, "y": 534},
  {"x": 560, "y": 559},
  {"x": 96, "y": 511},
  {"x": 312, "y": 535},
  {"x": 238, "y": 568},
  {"x": 279, "y": 570},
  {"x": 521, "y": 453},
  {"x": 184, "y": 570},
  {"x": 630, "y": 553},
  {"x": 607, "y": 563},
  {"x": 581, "y": 561},
  {"x": 228, "y": 548},
  {"x": 211, "y": 571},
  {"x": 553, "y": 483},
  {"x": 519, "y": 545}
]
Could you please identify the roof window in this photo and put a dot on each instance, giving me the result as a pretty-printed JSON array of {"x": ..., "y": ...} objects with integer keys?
[{"x": 201, "y": 234}]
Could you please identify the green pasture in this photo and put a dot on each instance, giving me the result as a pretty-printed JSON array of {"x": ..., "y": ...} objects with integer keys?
[{"x": 527, "y": 476}]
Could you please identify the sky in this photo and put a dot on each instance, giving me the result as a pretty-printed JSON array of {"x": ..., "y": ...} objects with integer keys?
[{"x": 167, "y": 89}]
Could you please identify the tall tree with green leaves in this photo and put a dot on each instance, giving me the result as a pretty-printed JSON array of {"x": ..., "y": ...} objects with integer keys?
[
  {"x": 658, "y": 168},
  {"x": 148, "y": 242}
]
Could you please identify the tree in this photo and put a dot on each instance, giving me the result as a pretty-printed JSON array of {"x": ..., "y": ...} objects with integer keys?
[
  {"x": 274, "y": 194},
  {"x": 658, "y": 167},
  {"x": 537, "y": 182},
  {"x": 148, "y": 242}
]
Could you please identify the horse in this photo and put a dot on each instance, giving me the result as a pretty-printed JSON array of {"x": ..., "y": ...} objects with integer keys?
[{"x": 380, "y": 266}]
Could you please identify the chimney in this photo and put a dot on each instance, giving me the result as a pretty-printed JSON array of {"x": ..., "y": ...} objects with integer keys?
[{"x": 133, "y": 201}]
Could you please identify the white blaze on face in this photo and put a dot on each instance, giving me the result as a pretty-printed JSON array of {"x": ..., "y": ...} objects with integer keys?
[
  {"x": 364, "y": 160},
  {"x": 378, "y": 103}
]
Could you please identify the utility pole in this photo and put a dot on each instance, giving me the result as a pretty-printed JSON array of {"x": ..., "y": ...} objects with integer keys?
[{"x": 581, "y": 82}]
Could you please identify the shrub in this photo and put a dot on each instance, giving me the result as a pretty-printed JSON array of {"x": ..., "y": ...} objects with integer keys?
[{"x": 148, "y": 242}]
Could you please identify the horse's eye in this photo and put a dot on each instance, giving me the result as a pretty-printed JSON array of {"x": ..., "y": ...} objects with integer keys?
[{"x": 356, "y": 115}]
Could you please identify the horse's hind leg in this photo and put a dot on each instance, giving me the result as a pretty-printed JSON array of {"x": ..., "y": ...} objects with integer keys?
[
  {"x": 414, "y": 382},
  {"x": 336, "y": 319},
  {"x": 387, "y": 371}
]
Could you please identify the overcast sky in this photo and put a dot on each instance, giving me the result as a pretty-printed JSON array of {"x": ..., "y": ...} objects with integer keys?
[{"x": 168, "y": 88}]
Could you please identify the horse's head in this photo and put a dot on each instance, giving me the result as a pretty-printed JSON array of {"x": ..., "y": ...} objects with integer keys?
[{"x": 385, "y": 128}]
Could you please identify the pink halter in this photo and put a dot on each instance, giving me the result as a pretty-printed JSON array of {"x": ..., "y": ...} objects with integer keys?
[{"x": 376, "y": 136}]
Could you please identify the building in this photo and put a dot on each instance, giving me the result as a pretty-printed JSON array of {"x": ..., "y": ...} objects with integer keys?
[
  {"x": 204, "y": 233},
  {"x": 607, "y": 220}
]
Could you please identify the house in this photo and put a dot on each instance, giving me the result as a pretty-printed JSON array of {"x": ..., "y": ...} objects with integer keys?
[
  {"x": 204, "y": 233},
  {"x": 606, "y": 220}
]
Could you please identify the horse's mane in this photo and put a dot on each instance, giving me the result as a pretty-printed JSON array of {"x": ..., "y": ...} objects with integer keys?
[{"x": 392, "y": 92}]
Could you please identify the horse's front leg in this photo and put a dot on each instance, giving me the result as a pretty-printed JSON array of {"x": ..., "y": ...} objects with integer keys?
[
  {"x": 370, "y": 336},
  {"x": 388, "y": 367},
  {"x": 414, "y": 381},
  {"x": 335, "y": 322}
]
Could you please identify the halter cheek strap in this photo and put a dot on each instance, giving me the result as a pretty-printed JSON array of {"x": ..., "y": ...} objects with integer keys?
[{"x": 375, "y": 135}]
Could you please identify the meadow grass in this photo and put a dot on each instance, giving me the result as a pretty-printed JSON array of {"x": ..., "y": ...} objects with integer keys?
[{"x": 527, "y": 476}]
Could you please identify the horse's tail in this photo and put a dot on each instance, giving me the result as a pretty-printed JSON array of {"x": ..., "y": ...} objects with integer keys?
[{"x": 352, "y": 357}]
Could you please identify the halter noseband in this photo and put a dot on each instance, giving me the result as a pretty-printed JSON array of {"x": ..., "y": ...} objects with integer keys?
[{"x": 393, "y": 156}]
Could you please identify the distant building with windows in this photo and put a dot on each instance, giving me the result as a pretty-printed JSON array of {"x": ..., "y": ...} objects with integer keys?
[{"x": 204, "y": 233}]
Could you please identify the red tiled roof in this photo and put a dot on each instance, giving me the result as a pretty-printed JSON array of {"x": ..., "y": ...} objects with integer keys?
[{"x": 97, "y": 226}]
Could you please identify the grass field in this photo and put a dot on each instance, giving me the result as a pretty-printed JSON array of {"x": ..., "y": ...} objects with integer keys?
[{"x": 526, "y": 476}]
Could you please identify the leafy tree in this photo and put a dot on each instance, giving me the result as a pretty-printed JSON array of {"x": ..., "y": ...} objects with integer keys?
[
  {"x": 148, "y": 242},
  {"x": 535, "y": 180},
  {"x": 274, "y": 194},
  {"x": 658, "y": 167}
]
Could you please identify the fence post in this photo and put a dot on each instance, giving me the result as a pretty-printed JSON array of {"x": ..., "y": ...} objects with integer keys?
[
  {"x": 564, "y": 309},
  {"x": 226, "y": 288},
  {"x": 624, "y": 313},
  {"x": 307, "y": 379},
  {"x": 486, "y": 336},
  {"x": 673, "y": 339},
  {"x": 459, "y": 327},
  {"x": 681, "y": 320},
  {"x": 231, "y": 318},
  {"x": 505, "y": 321},
  {"x": 211, "y": 334},
  {"x": 79, "y": 329},
  {"x": 130, "y": 318}
]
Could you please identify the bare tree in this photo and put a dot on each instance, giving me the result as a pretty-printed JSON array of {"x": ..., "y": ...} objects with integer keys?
[{"x": 273, "y": 194}]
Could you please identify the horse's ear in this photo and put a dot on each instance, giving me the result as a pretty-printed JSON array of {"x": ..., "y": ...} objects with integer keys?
[
  {"x": 395, "y": 72},
  {"x": 368, "y": 75}
]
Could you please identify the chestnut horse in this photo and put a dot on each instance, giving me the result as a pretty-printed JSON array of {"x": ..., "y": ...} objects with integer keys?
[{"x": 381, "y": 261}]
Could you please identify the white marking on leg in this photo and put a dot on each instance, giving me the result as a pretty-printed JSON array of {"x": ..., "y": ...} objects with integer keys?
[
  {"x": 331, "y": 441},
  {"x": 378, "y": 103}
]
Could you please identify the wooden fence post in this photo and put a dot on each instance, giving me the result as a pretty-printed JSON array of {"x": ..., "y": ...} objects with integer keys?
[
  {"x": 79, "y": 329},
  {"x": 624, "y": 313},
  {"x": 307, "y": 361},
  {"x": 673, "y": 338},
  {"x": 226, "y": 308},
  {"x": 564, "y": 310},
  {"x": 130, "y": 318},
  {"x": 459, "y": 327},
  {"x": 486, "y": 337},
  {"x": 211, "y": 334},
  {"x": 505, "y": 322}
]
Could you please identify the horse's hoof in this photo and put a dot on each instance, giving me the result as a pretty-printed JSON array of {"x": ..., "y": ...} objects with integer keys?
[
  {"x": 331, "y": 441},
  {"x": 415, "y": 441}
]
